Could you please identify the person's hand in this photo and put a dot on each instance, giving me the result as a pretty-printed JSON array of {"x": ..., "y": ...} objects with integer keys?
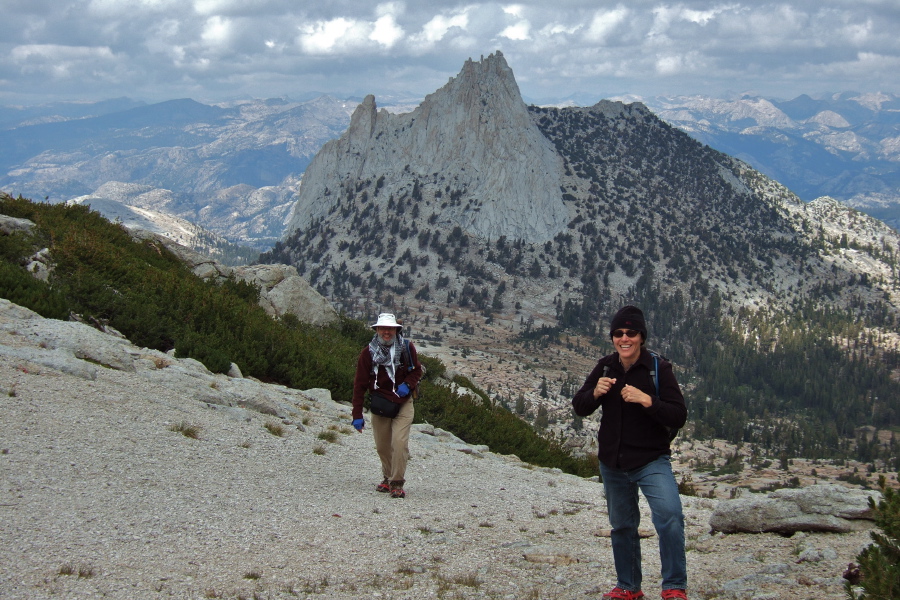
[
  {"x": 636, "y": 396},
  {"x": 359, "y": 424},
  {"x": 603, "y": 385},
  {"x": 403, "y": 390}
]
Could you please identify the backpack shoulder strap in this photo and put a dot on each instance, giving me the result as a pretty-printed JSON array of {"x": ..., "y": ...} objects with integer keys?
[
  {"x": 409, "y": 361},
  {"x": 673, "y": 431},
  {"x": 655, "y": 372}
]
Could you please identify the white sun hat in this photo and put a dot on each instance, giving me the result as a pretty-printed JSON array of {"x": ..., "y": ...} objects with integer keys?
[{"x": 387, "y": 320}]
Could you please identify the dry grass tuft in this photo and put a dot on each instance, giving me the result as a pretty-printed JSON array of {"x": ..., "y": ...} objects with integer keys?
[
  {"x": 186, "y": 429},
  {"x": 328, "y": 436},
  {"x": 276, "y": 429}
]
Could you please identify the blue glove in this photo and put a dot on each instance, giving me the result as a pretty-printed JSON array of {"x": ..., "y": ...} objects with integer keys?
[
  {"x": 403, "y": 390},
  {"x": 359, "y": 424}
]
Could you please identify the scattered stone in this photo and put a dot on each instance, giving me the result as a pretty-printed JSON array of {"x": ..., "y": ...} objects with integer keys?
[
  {"x": 642, "y": 532},
  {"x": 549, "y": 557}
]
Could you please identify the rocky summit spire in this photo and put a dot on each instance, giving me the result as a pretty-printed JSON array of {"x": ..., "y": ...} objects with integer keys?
[{"x": 471, "y": 149}]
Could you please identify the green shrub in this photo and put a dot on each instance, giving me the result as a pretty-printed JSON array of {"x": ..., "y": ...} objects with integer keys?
[
  {"x": 19, "y": 287},
  {"x": 149, "y": 295},
  {"x": 879, "y": 563},
  {"x": 478, "y": 422},
  {"x": 433, "y": 367}
]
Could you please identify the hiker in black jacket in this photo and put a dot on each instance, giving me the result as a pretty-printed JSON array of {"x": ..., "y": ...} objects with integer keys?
[{"x": 642, "y": 406}]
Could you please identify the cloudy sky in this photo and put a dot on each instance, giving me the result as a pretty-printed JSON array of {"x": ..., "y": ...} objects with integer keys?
[{"x": 213, "y": 50}]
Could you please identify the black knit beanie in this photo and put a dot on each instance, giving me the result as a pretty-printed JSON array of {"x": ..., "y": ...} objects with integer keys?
[{"x": 629, "y": 317}]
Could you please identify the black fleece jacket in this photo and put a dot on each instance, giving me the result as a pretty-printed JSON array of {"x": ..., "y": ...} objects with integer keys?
[{"x": 630, "y": 435}]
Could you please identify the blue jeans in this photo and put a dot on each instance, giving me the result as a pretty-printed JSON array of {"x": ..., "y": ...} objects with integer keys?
[{"x": 657, "y": 482}]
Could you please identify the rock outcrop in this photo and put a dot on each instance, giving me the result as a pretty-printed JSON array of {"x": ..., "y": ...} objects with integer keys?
[
  {"x": 282, "y": 290},
  {"x": 10, "y": 225},
  {"x": 474, "y": 138},
  {"x": 822, "y": 507}
]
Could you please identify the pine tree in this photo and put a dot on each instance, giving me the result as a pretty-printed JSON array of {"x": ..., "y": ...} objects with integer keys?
[
  {"x": 879, "y": 564},
  {"x": 520, "y": 405}
]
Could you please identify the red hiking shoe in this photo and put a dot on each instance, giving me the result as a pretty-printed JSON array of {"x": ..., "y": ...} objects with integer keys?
[
  {"x": 397, "y": 489},
  {"x": 674, "y": 595}
]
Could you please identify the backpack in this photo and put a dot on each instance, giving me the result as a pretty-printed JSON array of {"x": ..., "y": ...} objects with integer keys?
[
  {"x": 410, "y": 365},
  {"x": 673, "y": 431}
]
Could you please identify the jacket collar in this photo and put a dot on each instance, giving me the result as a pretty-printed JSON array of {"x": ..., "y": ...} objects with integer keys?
[{"x": 644, "y": 359}]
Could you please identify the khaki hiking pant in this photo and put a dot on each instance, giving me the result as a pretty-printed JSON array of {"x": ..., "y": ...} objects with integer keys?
[{"x": 392, "y": 441}]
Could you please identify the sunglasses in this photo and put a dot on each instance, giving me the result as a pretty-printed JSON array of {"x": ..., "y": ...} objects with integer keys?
[{"x": 632, "y": 333}]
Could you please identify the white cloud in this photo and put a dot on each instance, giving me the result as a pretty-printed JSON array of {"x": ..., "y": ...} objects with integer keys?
[
  {"x": 215, "y": 7},
  {"x": 434, "y": 30},
  {"x": 604, "y": 23},
  {"x": 677, "y": 64},
  {"x": 386, "y": 31},
  {"x": 514, "y": 10},
  {"x": 519, "y": 31},
  {"x": 56, "y": 60},
  {"x": 126, "y": 8},
  {"x": 518, "y": 28},
  {"x": 322, "y": 37},
  {"x": 766, "y": 28},
  {"x": 665, "y": 17},
  {"x": 57, "y": 52},
  {"x": 668, "y": 65},
  {"x": 701, "y": 17},
  {"x": 346, "y": 35},
  {"x": 558, "y": 28},
  {"x": 162, "y": 37},
  {"x": 867, "y": 65},
  {"x": 216, "y": 31},
  {"x": 150, "y": 47},
  {"x": 859, "y": 33}
]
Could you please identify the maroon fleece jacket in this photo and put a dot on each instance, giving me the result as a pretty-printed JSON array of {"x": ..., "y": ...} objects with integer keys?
[{"x": 365, "y": 380}]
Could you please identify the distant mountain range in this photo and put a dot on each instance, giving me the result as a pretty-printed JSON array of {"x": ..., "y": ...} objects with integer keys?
[
  {"x": 483, "y": 195},
  {"x": 846, "y": 146},
  {"x": 534, "y": 224},
  {"x": 235, "y": 169},
  {"x": 543, "y": 220}
]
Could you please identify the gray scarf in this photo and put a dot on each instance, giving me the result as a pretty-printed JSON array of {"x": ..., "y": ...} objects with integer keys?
[{"x": 387, "y": 356}]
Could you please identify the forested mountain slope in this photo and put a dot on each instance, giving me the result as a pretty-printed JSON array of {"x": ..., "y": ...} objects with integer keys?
[{"x": 736, "y": 273}]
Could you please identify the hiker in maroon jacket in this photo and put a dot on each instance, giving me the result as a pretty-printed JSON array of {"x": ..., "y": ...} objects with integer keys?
[
  {"x": 642, "y": 406},
  {"x": 389, "y": 370}
]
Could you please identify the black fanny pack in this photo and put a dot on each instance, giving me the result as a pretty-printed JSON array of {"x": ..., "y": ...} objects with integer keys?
[{"x": 381, "y": 406}]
